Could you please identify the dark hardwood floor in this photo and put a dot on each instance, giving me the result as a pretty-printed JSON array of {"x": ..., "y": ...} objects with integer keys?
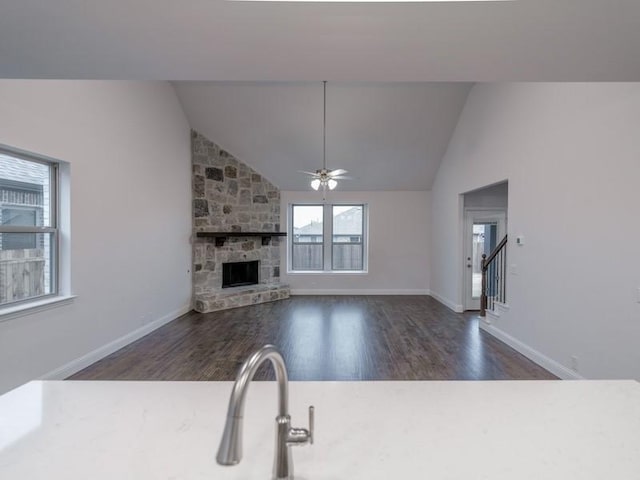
[{"x": 323, "y": 338}]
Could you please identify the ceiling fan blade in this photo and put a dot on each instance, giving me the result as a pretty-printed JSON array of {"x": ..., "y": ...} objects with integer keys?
[
  {"x": 308, "y": 173},
  {"x": 338, "y": 171},
  {"x": 342, "y": 177}
]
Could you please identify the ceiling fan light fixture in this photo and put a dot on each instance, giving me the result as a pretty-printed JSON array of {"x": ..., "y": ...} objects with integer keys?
[{"x": 323, "y": 177}]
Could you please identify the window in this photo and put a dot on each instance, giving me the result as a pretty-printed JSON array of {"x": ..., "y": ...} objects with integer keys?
[
  {"x": 348, "y": 232},
  {"x": 340, "y": 227},
  {"x": 28, "y": 227},
  {"x": 307, "y": 251}
]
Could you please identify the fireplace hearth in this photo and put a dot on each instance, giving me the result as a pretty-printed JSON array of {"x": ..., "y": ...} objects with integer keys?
[{"x": 238, "y": 274}]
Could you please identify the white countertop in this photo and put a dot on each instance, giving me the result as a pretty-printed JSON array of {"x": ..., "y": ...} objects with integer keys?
[{"x": 364, "y": 430}]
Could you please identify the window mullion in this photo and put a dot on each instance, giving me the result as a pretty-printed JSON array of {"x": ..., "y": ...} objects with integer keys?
[
  {"x": 53, "y": 196},
  {"x": 291, "y": 239},
  {"x": 21, "y": 229},
  {"x": 363, "y": 238},
  {"x": 328, "y": 237}
]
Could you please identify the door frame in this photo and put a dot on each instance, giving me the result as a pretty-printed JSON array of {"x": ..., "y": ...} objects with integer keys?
[{"x": 471, "y": 216}]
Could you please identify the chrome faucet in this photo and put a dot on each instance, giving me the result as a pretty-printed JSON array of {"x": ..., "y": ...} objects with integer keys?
[{"x": 230, "y": 451}]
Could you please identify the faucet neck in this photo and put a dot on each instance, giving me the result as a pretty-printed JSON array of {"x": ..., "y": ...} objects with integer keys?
[{"x": 246, "y": 373}]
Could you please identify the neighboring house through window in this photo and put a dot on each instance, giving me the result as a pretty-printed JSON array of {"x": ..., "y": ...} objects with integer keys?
[
  {"x": 28, "y": 227},
  {"x": 327, "y": 238},
  {"x": 19, "y": 216}
]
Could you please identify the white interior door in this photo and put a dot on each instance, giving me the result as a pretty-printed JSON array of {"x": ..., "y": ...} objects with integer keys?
[{"x": 482, "y": 232}]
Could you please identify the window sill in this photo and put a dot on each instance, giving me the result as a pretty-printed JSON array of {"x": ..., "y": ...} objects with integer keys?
[
  {"x": 15, "y": 311},
  {"x": 327, "y": 272}
]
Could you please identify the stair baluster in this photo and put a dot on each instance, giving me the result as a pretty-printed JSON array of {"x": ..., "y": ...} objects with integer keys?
[{"x": 494, "y": 275}]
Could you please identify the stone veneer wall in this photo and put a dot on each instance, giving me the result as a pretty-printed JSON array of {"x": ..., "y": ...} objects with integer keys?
[{"x": 228, "y": 196}]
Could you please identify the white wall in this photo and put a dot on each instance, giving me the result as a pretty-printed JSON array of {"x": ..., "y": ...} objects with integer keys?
[
  {"x": 398, "y": 245},
  {"x": 572, "y": 157},
  {"x": 494, "y": 197},
  {"x": 128, "y": 148}
]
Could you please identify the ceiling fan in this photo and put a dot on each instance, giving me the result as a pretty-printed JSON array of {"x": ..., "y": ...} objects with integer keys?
[{"x": 324, "y": 177}]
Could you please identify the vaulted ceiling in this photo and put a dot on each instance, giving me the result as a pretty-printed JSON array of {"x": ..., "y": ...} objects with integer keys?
[{"x": 390, "y": 136}]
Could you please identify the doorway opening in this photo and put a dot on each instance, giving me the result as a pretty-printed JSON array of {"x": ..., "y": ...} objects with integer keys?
[{"x": 485, "y": 225}]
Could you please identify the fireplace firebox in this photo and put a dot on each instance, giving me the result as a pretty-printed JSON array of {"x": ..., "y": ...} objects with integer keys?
[{"x": 236, "y": 274}]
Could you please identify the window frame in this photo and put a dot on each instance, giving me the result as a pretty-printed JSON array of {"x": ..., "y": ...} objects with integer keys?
[
  {"x": 52, "y": 229},
  {"x": 327, "y": 238}
]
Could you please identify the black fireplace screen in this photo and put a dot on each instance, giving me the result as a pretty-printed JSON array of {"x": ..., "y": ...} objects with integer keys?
[{"x": 237, "y": 274}]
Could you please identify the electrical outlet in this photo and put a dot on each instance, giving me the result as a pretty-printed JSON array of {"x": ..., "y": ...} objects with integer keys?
[
  {"x": 574, "y": 363},
  {"x": 513, "y": 269}
]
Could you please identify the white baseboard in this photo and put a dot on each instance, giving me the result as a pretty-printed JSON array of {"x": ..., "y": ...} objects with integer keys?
[
  {"x": 545, "y": 362},
  {"x": 342, "y": 291},
  {"x": 447, "y": 303},
  {"x": 78, "y": 364}
]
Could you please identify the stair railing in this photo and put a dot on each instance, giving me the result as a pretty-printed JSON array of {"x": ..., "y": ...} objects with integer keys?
[{"x": 494, "y": 276}]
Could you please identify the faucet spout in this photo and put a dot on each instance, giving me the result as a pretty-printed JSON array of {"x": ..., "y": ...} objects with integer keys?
[{"x": 230, "y": 450}]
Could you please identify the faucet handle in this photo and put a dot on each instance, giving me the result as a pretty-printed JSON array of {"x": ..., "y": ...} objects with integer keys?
[
  {"x": 311, "y": 423},
  {"x": 301, "y": 436}
]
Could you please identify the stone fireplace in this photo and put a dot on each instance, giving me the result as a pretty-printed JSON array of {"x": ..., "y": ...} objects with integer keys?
[{"x": 230, "y": 198}]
